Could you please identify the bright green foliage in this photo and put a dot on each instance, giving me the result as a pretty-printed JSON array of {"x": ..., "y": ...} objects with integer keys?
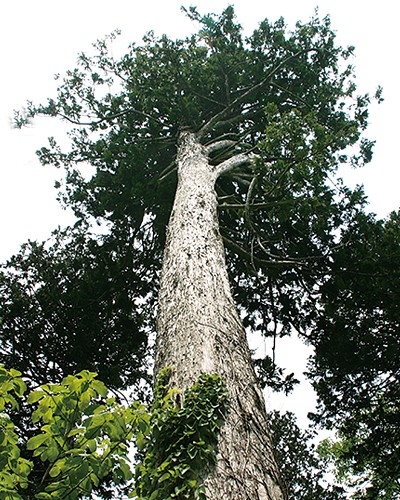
[
  {"x": 83, "y": 437},
  {"x": 11, "y": 385},
  {"x": 179, "y": 446},
  {"x": 14, "y": 469}
]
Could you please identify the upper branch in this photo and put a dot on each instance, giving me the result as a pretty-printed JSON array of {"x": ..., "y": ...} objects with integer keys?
[
  {"x": 216, "y": 146},
  {"x": 225, "y": 112},
  {"x": 50, "y": 111},
  {"x": 231, "y": 163}
]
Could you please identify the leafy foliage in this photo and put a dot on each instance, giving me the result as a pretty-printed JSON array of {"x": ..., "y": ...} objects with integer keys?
[
  {"x": 288, "y": 96},
  {"x": 83, "y": 437},
  {"x": 180, "y": 443},
  {"x": 356, "y": 365},
  {"x": 302, "y": 467},
  {"x": 366, "y": 477},
  {"x": 69, "y": 304},
  {"x": 14, "y": 469}
]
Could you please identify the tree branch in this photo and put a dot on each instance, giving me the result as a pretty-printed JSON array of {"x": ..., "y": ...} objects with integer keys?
[
  {"x": 105, "y": 118},
  {"x": 255, "y": 260},
  {"x": 222, "y": 114},
  {"x": 248, "y": 197},
  {"x": 270, "y": 204},
  {"x": 231, "y": 163},
  {"x": 216, "y": 146}
]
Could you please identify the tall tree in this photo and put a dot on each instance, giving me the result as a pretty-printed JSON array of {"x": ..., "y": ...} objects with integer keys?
[
  {"x": 199, "y": 330},
  {"x": 236, "y": 141}
]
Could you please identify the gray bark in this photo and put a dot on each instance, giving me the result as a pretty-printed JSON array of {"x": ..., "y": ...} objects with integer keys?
[{"x": 199, "y": 330}]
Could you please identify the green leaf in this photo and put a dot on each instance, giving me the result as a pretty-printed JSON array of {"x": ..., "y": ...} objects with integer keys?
[
  {"x": 140, "y": 441},
  {"x": 126, "y": 471},
  {"x": 164, "y": 477},
  {"x": 100, "y": 388},
  {"x": 54, "y": 471},
  {"x": 35, "y": 396},
  {"x": 52, "y": 453},
  {"x": 36, "y": 441},
  {"x": 75, "y": 432},
  {"x": 44, "y": 496},
  {"x": 92, "y": 445}
]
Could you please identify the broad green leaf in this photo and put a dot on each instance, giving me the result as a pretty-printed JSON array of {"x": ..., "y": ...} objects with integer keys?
[
  {"x": 35, "y": 396},
  {"x": 164, "y": 477},
  {"x": 44, "y": 496},
  {"x": 92, "y": 445},
  {"x": 52, "y": 453},
  {"x": 75, "y": 432},
  {"x": 127, "y": 473},
  {"x": 36, "y": 441},
  {"x": 54, "y": 471},
  {"x": 100, "y": 388}
]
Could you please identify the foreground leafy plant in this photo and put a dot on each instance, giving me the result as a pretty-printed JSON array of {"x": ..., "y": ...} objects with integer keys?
[
  {"x": 83, "y": 437},
  {"x": 14, "y": 470}
]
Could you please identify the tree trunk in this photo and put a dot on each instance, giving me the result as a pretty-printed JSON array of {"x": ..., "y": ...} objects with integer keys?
[{"x": 199, "y": 331}]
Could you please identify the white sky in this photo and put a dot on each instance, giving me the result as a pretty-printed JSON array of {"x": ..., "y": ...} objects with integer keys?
[{"x": 43, "y": 37}]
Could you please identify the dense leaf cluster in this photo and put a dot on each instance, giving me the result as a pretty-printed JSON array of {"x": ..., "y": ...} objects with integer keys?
[
  {"x": 83, "y": 438},
  {"x": 303, "y": 468},
  {"x": 356, "y": 369},
  {"x": 289, "y": 97},
  {"x": 181, "y": 441},
  {"x": 14, "y": 469}
]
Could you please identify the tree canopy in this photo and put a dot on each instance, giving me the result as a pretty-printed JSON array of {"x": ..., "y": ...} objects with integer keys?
[{"x": 302, "y": 254}]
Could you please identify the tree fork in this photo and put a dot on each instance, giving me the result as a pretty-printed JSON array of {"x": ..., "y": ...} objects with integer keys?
[{"x": 199, "y": 331}]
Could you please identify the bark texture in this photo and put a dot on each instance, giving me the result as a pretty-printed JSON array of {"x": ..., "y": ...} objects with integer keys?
[{"x": 199, "y": 330}]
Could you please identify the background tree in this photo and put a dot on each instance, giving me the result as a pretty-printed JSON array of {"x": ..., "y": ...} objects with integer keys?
[
  {"x": 355, "y": 369},
  {"x": 286, "y": 96},
  {"x": 302, "y": 465},
  {"x": 69, "y": 303}
]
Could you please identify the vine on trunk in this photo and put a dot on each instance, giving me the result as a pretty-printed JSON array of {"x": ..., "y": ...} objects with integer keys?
[{"x": 181, "y": 442}]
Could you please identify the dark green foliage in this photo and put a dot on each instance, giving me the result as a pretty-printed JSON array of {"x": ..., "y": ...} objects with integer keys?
[
  {"x": 287, "y": 96},
  {"x": 272, "y": 376},
  {"x": 356, "y": 364},
  {"x": 70, "y": 304},
  {"x": 366, "y": 476},
  {"x": 302, "y": 468}
]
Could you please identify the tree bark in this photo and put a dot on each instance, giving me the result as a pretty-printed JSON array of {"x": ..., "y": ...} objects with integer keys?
[{"x": 199, "y": 331}]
